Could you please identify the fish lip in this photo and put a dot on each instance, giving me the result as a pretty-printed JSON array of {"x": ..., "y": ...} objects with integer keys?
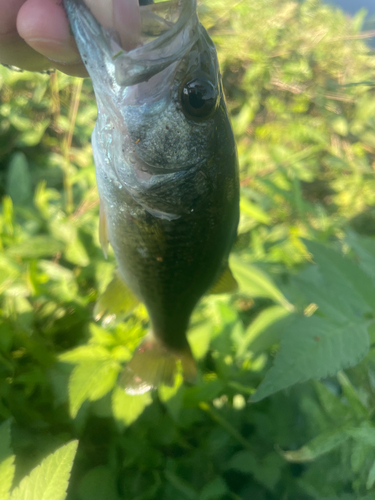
[{"x": 140, "y": 64}]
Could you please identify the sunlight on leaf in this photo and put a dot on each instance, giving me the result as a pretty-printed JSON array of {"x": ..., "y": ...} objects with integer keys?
[
  {"x": 7, "y": 466},
  {"x": 49, "y": 480},
  {"x": 127, "y": 408}
]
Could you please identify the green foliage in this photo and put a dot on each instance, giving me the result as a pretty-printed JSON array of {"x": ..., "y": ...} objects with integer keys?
[
  {"x": 273, "y": 415},
  {"x": 48, "y": 481}
]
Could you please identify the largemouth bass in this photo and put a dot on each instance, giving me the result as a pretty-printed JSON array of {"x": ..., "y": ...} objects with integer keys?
[{"x": 167, "y": 173}]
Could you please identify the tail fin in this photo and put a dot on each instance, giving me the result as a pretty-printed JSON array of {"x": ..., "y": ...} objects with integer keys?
[{"x": 153, "y": 364}]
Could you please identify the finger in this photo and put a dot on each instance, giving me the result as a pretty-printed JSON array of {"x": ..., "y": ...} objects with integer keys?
[
  {"x": 121, "y": 15},
  {"x": 45, "y": 27},
  {"x": 13, "y": 50},
  {"x": 8, "y": 17}
]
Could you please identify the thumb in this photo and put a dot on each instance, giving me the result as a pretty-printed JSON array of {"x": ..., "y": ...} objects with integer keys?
[{"x": 120, "y": 15}]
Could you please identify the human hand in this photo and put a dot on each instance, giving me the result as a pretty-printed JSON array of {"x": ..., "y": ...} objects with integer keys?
[{"x": 35, "y": 34}]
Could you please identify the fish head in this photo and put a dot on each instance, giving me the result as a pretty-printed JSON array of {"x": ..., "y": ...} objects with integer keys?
[{"x": 164, "y": 98}]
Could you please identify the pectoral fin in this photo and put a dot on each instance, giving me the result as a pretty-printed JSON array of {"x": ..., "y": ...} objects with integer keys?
[
  {"x": 226, "y": 283},
  {"x": 103, "y": 234},
  {"x": 117, "y": 300}
]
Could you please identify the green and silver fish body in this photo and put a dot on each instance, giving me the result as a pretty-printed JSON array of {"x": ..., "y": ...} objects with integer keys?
[{"x": 167, "y": 176}]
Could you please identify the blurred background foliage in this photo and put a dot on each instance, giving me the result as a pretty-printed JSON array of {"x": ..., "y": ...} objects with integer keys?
[{"x": 274, "y": 415}]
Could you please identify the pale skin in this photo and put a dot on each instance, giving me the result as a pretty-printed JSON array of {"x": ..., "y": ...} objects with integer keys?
[{"x": 35, "y": 34}]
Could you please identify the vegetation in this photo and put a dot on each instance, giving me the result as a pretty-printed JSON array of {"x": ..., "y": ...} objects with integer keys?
[{"x": 284, "y": 406}]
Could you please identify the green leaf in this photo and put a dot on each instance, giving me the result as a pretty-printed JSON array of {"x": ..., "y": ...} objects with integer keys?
[
  {"x": 91, "y": 380},
  {"x": 184, "y": 488},
  {"x": 243, "y": 461},
  {"x": 266, "y": 471},
  {"x": 364, "y": 247},
  {"x": 335, "y": 301},
  {"x": 201, "y": 393},
  {"x": 364, "y": 435},
  {"x": 127, "y": 408},
  {"x": 173, "y": 397},
  {"x": 199, "y": 338},
  {"x": 18, "y": 179},
  {"x": 85, "y": 353},
  {"x": 33, "y": 135},
  {"x": 98, "y": 484},
  {"x": 256, "y": 283},
  {"x": 343, "y": 271},
  {"x": 357, "y": 407},
  {"x": 7, "y": 467},
  {"x": 334, "y": 407},
  {"x": 36, "y": 247},
  {"x": 214, "y": 489},
  {"x": 314, "y": 348},
  {"x": 324, "y": 443},
  {"x": 48, "y": 481},
  {"x": 76, "y": 253},
  {"x": 254, "y": 211},
  {"x": 265, "y": 330},
  {"x": 371, "y": 477}
]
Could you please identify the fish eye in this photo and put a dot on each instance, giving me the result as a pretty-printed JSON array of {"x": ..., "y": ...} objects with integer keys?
[{"x": 199, "y": 97}]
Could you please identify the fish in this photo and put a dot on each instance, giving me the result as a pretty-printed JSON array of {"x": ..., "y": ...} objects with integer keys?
[{"x": 167, "y": 174}]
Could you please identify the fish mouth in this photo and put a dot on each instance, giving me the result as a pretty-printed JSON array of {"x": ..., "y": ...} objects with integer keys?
[{"x": 169, "y": 29}]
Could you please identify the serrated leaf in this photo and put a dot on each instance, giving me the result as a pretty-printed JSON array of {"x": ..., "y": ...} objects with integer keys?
[
  {"x": 127, "y": 408},
  {"x": 91, "y": 380},
  {"x": 256, "y": 283},
  {"x": 48, "y": 481},
  {"x": 337, "y": 268},
  {"x": 364, "y": 248},
  {"x": 7, "y": 467},
  {"x": 314, "y": 348},
  {"x": 334, "y": 300}
]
